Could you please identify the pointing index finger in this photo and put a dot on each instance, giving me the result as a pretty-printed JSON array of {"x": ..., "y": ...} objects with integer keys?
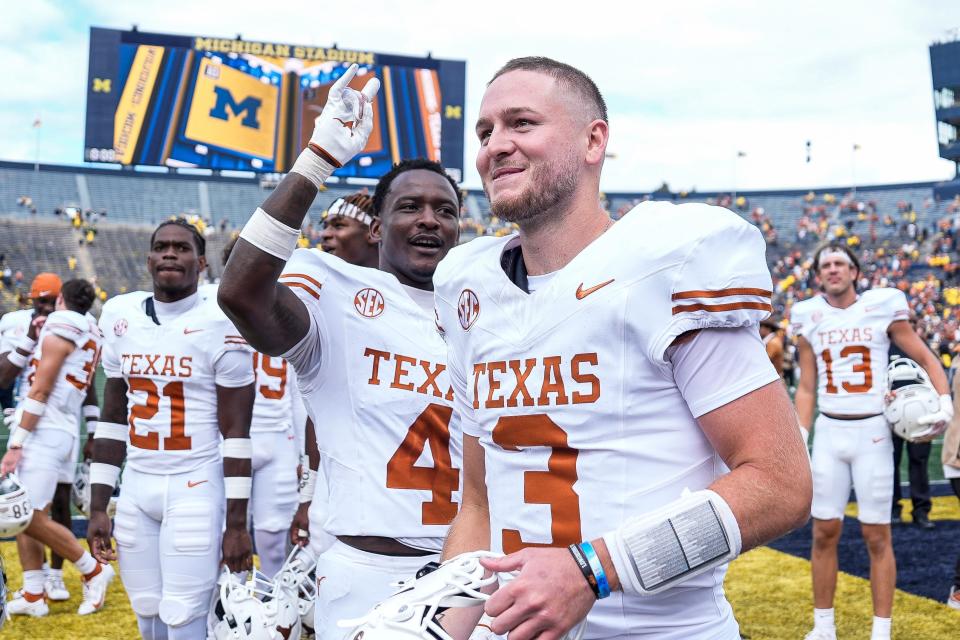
[{"x": 345, "y": 79}]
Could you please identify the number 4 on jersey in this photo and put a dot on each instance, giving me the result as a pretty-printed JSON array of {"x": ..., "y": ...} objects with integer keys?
[{"x": 433, "y": 427}]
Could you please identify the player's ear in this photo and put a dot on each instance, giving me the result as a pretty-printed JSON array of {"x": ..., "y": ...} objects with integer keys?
[
  {"x": 202, "y": 261},
  {"x": 373, "y": 235},
  {"x": 598, "y": 134}
]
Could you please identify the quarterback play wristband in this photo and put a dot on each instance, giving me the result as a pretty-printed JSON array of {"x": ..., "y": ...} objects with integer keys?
[
  {"x": 308, "y": 485},
  {"x": 239, "y": 448},
  {"x": 17, "y": 359},
  {"x": 112, "y": 431},
  {"x": 102, "y": 473},
  {"x": 237, "y": 487},
  {"x": 35, "y": 407},
  {"x": 18, "y": 438},
  {"x": 674, "y": 543},
  {"x": 270, "y": 235}
]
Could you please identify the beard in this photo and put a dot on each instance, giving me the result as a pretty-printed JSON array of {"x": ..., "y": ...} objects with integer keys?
[{"x": 550, "y": 187}]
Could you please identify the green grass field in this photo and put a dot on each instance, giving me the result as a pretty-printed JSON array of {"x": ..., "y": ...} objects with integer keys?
[{"x": 770, "y": 592}]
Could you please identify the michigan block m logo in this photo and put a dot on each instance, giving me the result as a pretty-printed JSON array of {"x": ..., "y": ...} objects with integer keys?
[{"x": 247, "y": 108}]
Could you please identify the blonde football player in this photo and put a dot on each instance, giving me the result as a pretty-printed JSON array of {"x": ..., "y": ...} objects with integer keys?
[
  {"x": 369, "y": 360},
  {"x": 178, "y": 377},
  {"x": 625, "y": 434},
  {"x": 45, "y": 441},
  {"x": 843, "y": 343}
]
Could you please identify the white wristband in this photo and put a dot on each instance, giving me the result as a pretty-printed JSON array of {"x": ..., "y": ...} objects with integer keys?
[
  {"x": 308, "y": 485},
  {"x": 17, "y": 359},
  {"x": 237, "y": 487},
  {"x": 35, "y": 407},
  {"x": 26, "y": 344},
  {"x": 270, "y": 235},
  {"x": 91, "y": 411},
  {"x": 112, "y": 431},
  {"x": 312, "y": 167},
  {"x": 103, "y": 473},
  {"x": 18, "y": 438},
  {"x": 240, "y": 448}
]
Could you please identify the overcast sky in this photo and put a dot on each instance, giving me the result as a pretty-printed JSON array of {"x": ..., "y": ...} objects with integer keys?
[{"x": 688, "y": 85}]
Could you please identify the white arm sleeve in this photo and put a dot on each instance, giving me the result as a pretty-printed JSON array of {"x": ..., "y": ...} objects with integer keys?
[
  {"x": 718, "y": 366},
  {"x": 298, "y": 410},
  {"x": 305, "y": 356},
  {"x": 234, "y": 368}
]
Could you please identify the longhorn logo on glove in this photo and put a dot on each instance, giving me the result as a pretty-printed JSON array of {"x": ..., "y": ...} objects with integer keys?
[{"x": 348, "y": 124}]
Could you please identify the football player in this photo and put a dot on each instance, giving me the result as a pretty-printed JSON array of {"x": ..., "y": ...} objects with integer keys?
[
  {"x": 18, "y": 339},
  {"x": 843, "y": 339},
  {"x": 346, "y": 231},
  {"x": 178, "y": 377},
  {"x": 44, "y": 442},
  {"x": 625, "y": 435},
  {"x": 369, "y": 360}
]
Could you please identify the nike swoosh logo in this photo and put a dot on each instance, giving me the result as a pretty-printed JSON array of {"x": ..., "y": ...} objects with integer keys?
[
  {"x": 187, "y": 332},
  {"x": 876, "y": 440},
  {"x": 583, "y": 293},
  {"x": 191, "y": 484}
]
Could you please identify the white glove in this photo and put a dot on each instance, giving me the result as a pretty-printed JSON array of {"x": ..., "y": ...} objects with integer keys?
[
  {"x": 340, "y": 131},
  {"x": 941, "y": 418}
]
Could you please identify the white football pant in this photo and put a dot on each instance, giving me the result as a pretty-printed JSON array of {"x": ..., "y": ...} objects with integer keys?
[
  {"x": 857, "y": 453},
  {"x": 168, "y": 530},
  {"x": 350, "y": 582}
]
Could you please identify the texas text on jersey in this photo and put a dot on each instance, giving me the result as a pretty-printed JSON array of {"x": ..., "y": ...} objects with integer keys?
[
  {"x": 570, "y": 392},
  {"x": 372, "y": 374},
  {"x": 851, "y": 346}
]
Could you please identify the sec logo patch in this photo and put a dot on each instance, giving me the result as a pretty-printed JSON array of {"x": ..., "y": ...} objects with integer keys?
[
  {"x": 368, "y": 303},
  {"x": 120, "y": 327},
  {"x": 468, "y": 309}
]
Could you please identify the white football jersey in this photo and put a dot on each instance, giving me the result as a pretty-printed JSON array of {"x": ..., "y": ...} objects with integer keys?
[
  {"x": 372, "y": 371},
  {"x": 171, "y": 371},
  {"x": 13, "y": 325},
  {"x": 852, "y": 348},
  {"x": 571, "y": 393},
  {"x": 78, "y": 369},
  {"x": 273, "y": 404}
]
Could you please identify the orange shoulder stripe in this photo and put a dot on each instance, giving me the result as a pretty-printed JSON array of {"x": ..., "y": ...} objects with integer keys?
[
  {"x": 303, "y": 276},
  {"x": 732, "y": 306},
  {"x": 305, "y": 287},
  {"x": 721, "y": 293}
]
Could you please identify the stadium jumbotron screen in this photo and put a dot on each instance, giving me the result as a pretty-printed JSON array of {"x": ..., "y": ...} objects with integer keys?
[{"x": 220, "y": 103}]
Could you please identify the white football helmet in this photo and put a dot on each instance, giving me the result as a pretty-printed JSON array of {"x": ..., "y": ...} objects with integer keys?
[
  {"x": 16, "y": 512},
  {"x": 410, "y": 613},
  {"x": 243, "y": 610},
  {"x": 81, "y": 488},
  {"x": 910, "y": 396},
  {"x": 296, "y": 588}
]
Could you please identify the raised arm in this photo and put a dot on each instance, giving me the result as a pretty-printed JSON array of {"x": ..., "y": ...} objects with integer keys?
[
  {"x": 109, "y": 451},
  {"x": 12, "y": 362},
  {"x": 268, "y": 315}
]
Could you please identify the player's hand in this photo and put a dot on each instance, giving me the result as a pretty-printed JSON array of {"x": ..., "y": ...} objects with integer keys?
[
  {"x": 10, "y": 462},
  {"x": 237, "y": 549},
  {"x": 88, "y": 448},
  {"x": 939, "y": 419},
  {"x": 10, "y": 419},
  {"x": 342, "y": 128},
  {"x": 98, "y": 537},
  {"x": 300, "y": 527},
  {"x": 547, "y": 599},
  {"x": 36, "y": 323}
]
